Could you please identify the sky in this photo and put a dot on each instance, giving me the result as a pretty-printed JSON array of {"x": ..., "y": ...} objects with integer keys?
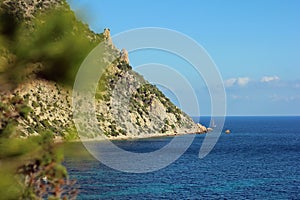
[{"x": 254, "y": 44}]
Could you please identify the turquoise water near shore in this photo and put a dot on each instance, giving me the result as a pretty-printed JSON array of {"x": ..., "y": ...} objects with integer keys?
[{"x": 260, "y": 159}]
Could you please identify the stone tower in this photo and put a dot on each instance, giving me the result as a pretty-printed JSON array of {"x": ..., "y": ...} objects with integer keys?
[{"x": 107, "y": 38}]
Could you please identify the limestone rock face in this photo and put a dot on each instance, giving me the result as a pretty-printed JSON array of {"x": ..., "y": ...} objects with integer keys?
[
  {"x": 38, "y": 105},
  {"x": 201, "y": 129},
  {"x": 131, "y": 106},
  {"x": 124, "y": 56}
]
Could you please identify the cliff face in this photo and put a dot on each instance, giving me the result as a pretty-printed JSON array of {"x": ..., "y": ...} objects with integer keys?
[
  {"x": 139, "y": 108},
  {"x": 126, "y": 104},
  {"x": 129, "y": 105}
]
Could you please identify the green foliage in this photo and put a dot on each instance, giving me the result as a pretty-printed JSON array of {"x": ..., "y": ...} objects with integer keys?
[
  {"x": 35, "y": 104},
  {"x": 11, "y": 111},
  {"x": 122, "y": 132},
  {"x": 100, "y": 117},
  {"x": 24, "y": 111},
  {"x": 164, "y": 129},
  {"x": 30, "y": 130},
  {"x": 138, "y": 121},
  {"x": 166, "y": 126},
  {"x": 8, "y": 25},
  {"x": 33, "y": 159},
  {"x": 16, "y": 100},
  {"x": 9, "y": 189},
  {"x": 15, "y": 147},
  {"x": 124, "y": 66},
  {"x": 173, "y": 126},
  {"x": 54, "y": 38},
  {"x": 58, "y": 41},
  {"x": 10, "y": 129},
  {"x": 166, "y": 121},
  {"x": 3, "y": 107},
  {"x": 178, "y": 116},
  {"x": 51, "y": 45},
  {"x": 45, "y": 176},
  {"x": 145, "y": 94},
  {"x": 45, "y": 123},
  {"x": 113, "y": 129},
  {"x": 71, "y": 134}
]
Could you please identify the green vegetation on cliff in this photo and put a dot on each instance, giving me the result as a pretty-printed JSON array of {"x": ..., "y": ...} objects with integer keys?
[{"x": 51, "y": 44}]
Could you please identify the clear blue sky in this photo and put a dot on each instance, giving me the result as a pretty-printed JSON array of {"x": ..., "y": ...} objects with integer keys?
[{"x": 255, "y": 44}]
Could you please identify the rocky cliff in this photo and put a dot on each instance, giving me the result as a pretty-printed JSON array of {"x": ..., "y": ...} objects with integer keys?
[{"x": 126, "y": 104}]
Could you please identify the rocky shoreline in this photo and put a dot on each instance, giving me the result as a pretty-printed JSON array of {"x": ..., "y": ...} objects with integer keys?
[{"x": 137, "y": 137}]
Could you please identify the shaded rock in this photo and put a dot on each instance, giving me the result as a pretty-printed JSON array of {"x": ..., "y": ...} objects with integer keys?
[{"x": 201, "y": 128}]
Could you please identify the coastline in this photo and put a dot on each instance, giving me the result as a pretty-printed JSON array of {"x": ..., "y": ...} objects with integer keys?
[{"x": 131, "y": 137}]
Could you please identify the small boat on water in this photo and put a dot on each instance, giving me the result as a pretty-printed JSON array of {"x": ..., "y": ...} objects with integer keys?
[{"x": 212, "y": 124}]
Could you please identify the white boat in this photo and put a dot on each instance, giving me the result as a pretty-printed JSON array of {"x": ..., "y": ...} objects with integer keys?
[{"x": 212, "y": 124}]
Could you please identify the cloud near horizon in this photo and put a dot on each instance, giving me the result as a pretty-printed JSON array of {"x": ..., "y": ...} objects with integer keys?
[
  {"x": 266, "y": 79},
  {"x": 286, "y": 98},
  {"x": 243, "y": 81},
  {"x": 240, "y": 81}
]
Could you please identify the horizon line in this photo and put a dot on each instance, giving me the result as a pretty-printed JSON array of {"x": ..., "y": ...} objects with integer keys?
[{"x": 296, "y": 115}]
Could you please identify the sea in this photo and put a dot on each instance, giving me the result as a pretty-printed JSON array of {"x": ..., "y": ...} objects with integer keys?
[{"x": 259, "y": 159}]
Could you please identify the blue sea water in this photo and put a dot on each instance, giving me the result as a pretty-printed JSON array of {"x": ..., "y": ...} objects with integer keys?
[{"x": 260, "y": 159}]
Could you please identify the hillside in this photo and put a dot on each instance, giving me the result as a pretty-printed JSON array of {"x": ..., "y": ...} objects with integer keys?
[{"x": 39, "y": 60}]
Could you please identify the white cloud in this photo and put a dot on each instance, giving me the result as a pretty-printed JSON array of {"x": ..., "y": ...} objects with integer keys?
[
  {"x": 236, "y": 97},
  {"x": 276, "y": 97},
  {"x": 266, "y": 79},
  {"x": 230, "y": 82},
  {"x": 242, "y": 81}
]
